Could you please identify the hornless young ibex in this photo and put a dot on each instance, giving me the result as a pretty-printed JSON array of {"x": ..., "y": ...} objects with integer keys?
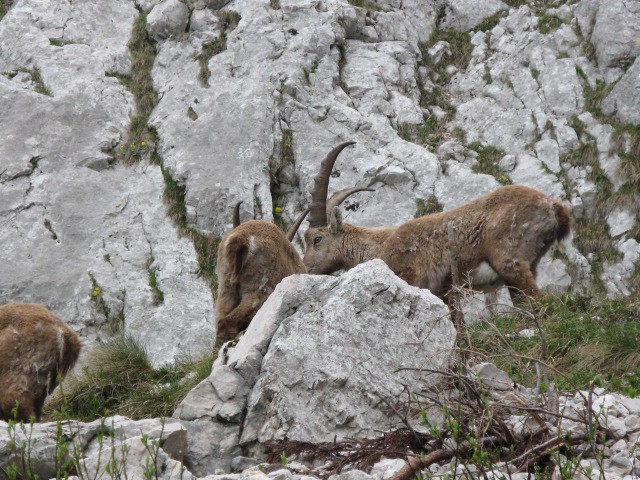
[
  {"x": 256, "y": 255},
  {"x": 36, "y": 349},
  {"x": 498, "y": 239}
]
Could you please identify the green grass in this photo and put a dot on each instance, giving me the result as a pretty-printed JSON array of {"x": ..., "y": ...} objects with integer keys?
[
  {"x": 206, "y": 246},
  {"x": 548, "y": 23},
  {"x": 490, "y": 22},
  {"x": 229, "y": 20},
  {"x": 118, "y": 380},
  {"x": 5, "y": 5},
  {"x": 191, "y": 113},
  {"x": 427, "y": 207},
  {"x": 432, "y": 132},
  {"x": 366, "y": 4},
  {"x": 587, "y": 339},
  {"x": 277, "y": 163},
  {"x": 209, "y": 49},
  {"x": 488, "y": 159}
]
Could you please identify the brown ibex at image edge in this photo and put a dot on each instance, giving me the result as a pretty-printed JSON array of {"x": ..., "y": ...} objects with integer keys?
[{"x": 36, "y": 350}]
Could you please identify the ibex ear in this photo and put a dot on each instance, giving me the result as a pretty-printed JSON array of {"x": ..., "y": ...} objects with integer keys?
[{"x": 335, "y": 221}]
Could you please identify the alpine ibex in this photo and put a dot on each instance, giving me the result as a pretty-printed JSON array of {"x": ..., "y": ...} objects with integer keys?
[
  {"x": 256, "y": 255},
  {"x": 497, "y": 239},
  {"x": 36, "y": 349}
]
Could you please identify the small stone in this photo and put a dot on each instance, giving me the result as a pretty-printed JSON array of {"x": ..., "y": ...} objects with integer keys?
[{"x": 492, "y": 377}]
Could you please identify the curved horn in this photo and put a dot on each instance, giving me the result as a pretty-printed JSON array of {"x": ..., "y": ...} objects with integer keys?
[
  {"x": 318, "y": 209},
  {"x": 341, "y": 195},
  {"x": 236, "y": 214},
  {"x": 294, "y": 227}
]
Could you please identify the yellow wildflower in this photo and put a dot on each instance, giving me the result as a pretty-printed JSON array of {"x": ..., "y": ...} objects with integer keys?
[
  {"x": 143, "y": 144},
  {"x": 277, "y": 210},
  {"x": 95, "y": 292}
]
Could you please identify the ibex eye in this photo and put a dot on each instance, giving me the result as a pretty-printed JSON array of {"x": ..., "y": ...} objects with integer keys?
[{"x": 316, "y": 241}]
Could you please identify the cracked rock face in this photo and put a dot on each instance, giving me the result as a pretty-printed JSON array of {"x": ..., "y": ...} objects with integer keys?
[
  {"x": 82, "y": 234},
  {"x": 247, "y": 112},
  {"x": 324, "y": 356}
]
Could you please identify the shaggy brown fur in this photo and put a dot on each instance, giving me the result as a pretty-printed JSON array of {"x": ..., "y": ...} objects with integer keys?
[
  {"x": 252, "y": 259},
  {"x": 36, "y": 349},
  {"x": 499, "y": 239}
]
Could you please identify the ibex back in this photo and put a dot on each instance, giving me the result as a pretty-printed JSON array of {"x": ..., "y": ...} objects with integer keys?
[
  {"x": 497, "y": 239},
  {"x": 36, "y": 349}
]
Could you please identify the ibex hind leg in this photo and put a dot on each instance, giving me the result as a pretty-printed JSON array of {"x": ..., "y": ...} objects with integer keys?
[
  {"x": 519, "y": 278},
  {"x": 239, "y": 318}
]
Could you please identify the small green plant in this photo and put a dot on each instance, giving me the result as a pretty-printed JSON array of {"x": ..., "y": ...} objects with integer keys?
[
  {"x": 36, "y": 77},
  {"x": 427, "y": 207},
  {"x": 191, "y": 113},
  {"x": 229, "y": 19},
  {"x": 342, "y": 62},
  {"x": 366, "y": 4},
  {"x": 158, "y": 295},
  {"x": 134, "y": 151},
  {"x": 490, "y": 22},
  {"x": 59, "y": 42},
  {"x": 274, "y": 4},
  {"x": 488, "y": 159},
  {"x": 548, "y": 23},
  {"x": 283, "y": 458},
  {"x": 209, "y": 49}
]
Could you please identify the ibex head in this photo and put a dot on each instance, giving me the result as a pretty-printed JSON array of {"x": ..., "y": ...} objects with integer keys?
[{"x": 324, "y": 238}]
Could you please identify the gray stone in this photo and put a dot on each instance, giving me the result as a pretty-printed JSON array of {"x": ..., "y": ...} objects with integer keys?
[
  {"x": 491, "y": 377},
  {"x": 616, "y": 29},
  {"x": 616, "y": 277},
  {"x": 387, "y": 467},
  {"x": 168, "y": 18},
  {"x": 530, "y": 172},
  {"x": 624, "y": 99},
  {"x": 620, "y": 221},
  {"x": 467, "y": 14},
  {"x": 548, "y": 153}
]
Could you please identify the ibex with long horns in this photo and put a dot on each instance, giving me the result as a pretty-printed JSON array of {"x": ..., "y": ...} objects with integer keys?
[
  {"x": 255, "y": 256},
  {"x": 36, "y": 349},
  {"x": 498, "y": 239}
]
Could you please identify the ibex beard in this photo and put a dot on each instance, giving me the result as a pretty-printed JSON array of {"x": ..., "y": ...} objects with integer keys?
[{"x": 498, "y": 239}]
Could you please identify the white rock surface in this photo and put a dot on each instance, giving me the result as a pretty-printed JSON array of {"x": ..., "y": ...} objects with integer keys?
[
  {"x": 624, "y": 99},
  {"x": 317, "y": 361},
  {"x": 94, "y": 444}
]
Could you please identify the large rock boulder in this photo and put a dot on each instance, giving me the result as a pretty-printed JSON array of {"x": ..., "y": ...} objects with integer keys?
[{"x": 325, "y": 357}]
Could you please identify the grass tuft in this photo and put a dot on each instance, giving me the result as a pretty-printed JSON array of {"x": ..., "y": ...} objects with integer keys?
[
  {"x": 428, "y": 206},
  {"x": 548, "y": 23},
  {"x": 5, "y": 5},
  {"x": 118, "y": 380},
  {"x": 366, "y": 4},
  {"x": 587, "y": 339},
  {"x": 488, "y": 158}
]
